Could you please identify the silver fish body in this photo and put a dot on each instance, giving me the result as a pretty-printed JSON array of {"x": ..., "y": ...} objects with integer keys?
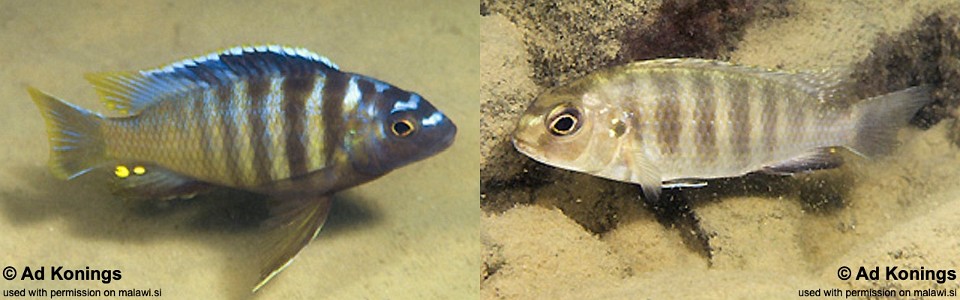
[{"x": 673, "y": 120}]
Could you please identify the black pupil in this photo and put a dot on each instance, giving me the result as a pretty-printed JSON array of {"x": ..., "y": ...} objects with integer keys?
[
  {"x": 401, "y": 128},
  {"x": 563, "y": 124}
]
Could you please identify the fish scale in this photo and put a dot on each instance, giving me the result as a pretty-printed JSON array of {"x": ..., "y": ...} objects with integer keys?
[
  {"x": 687, "y": 105},
  {"x": 695, "y": 119},
  {"x": 248, "y": 135},
  {"x": 272, "y": 129},
  {"x": 278, "y": 121},
  {"x": 705, "y": 117},
  {"x": 314, "y": 122}
]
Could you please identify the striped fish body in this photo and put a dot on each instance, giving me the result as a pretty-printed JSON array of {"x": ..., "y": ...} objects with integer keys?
[
  {"x": 278, "y": 121},
  {"x": 265, "y": 119},
  {"x": 681, "y": 120},
  {"x": 257, "y": 133}
]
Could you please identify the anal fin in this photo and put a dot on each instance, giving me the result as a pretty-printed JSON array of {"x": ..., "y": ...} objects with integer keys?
[
  {"x": 152, "y": 182},
  {"x": 298, "y": 220},
  {"x": 817, "y": 159},
  {"x": 684, "y": 183}
]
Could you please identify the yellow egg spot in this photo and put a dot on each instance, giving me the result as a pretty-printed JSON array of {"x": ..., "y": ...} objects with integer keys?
[
  {"x": 139, "y": 170},
  {"x": 122, "y": 171}
]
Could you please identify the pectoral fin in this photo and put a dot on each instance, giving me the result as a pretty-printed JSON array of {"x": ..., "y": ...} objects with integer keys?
[
  {"x": 648, "y": 176},
  {"x": 297, "y": 221},
  {"x": 651, "y": 190},
  {"x": 637, "y": 169}
]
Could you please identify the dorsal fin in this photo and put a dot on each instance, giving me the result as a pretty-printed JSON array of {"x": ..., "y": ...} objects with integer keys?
[
  {"x": 829, "y": 85},
  {"x": 130, "y": 92}
]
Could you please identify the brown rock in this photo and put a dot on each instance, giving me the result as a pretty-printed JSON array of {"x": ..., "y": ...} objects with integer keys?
[{"x": 505, "y": 90}]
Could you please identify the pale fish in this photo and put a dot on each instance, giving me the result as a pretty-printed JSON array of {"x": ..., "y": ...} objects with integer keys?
[
  {"x": 675, "y": 122},
  {"x": 283, "y": 122}
]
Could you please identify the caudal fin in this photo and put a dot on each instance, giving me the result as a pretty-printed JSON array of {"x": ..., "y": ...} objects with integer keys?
[
  {"x": 76, "y": 145},
  {"x": 880, "y": 117}
]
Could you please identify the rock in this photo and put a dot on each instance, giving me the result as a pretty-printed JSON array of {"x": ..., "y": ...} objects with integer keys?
[
  {"x": 505, "y": 90},
  {"x": 568, "y": 39}
]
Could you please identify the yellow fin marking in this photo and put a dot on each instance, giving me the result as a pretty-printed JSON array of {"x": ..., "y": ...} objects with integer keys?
[
  {"x": 139, "y": 170},
  {"x": 122, "y": 171}
]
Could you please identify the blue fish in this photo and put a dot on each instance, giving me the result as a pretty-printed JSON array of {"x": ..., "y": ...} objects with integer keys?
[{"x": 278, "y": 121}]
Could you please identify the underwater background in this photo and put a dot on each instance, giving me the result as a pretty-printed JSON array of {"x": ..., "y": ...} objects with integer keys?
[
  {"x": 554, "y": 234},
  {"x": 408, "y": 235}
]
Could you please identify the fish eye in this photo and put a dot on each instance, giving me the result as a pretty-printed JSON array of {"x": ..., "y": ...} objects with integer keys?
[
  {"x": 402, "y": 128},
  {"x": 566, "y": 122}
]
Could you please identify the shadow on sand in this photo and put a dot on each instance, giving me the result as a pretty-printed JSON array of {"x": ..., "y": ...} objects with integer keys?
[{"x": 224, "y": 219}]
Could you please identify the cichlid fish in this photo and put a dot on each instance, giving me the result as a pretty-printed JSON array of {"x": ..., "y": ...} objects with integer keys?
[
  {"x": 272, "y": 120},
  {"x": 675, "y": 122}
]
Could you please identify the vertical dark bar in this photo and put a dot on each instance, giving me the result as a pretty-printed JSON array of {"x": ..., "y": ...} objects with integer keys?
[
  {"x": 296, "y": 90},
  {"x": 257, "y": 89}
]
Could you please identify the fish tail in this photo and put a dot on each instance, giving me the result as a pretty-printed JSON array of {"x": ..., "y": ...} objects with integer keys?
[
  {"x": 879, "y": 118},
  {"x": 76, "y": 143}
]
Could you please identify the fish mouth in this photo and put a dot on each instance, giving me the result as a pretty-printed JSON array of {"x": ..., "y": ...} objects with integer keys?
[
  {"x": 523, "y": 147},
  {"x": 528, "y": 149},
  {"x": 447, "y": 140},
  {"x": 442, "y": 139}
]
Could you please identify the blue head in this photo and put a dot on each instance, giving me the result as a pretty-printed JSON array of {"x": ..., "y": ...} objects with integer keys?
[{"x": 401, "y": 128}]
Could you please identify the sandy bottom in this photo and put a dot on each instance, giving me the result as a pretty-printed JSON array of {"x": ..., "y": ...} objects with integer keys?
[
  {"x": 771, "y": 237},
  {"x": 765, "y": 247},
  {"x": 411, "y": 234}
]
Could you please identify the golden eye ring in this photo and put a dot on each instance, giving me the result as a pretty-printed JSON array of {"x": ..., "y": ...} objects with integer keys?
[
  {"x": 566, "y": 122},
  {"x": 402, "y": 128}
]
